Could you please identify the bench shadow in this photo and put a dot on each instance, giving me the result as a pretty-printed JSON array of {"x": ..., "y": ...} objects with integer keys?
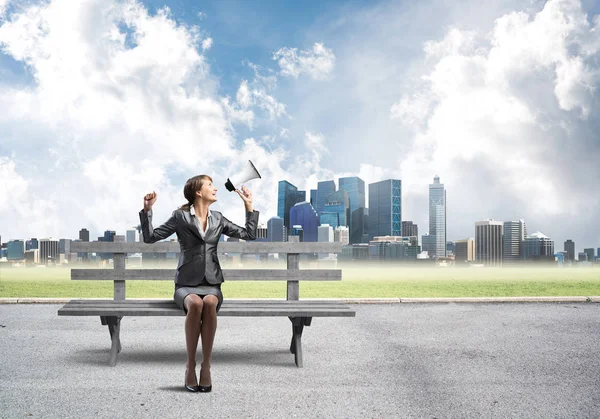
[{"x": 274, "y": 358}]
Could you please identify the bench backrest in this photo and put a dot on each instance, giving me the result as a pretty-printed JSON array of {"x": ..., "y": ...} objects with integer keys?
[{"x": 119, "y": 249}]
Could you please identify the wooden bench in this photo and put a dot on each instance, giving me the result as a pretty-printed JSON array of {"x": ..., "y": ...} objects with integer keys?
[{"x": 300, "y": 312}]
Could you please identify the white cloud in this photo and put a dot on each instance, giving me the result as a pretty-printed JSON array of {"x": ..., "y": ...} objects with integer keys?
[
  {"x": 121, "y": 103},
  {"x": 207, "y": 43},
  {"x": 318, "y": 63},
  {"x": 482, "y": 119}
]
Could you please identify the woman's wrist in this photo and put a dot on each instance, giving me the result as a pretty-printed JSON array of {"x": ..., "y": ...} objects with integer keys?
[{"x": 248, "y": 207}]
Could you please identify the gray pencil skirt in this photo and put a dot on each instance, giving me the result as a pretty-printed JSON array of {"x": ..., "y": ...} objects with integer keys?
[{"x": 203, "y": 289}]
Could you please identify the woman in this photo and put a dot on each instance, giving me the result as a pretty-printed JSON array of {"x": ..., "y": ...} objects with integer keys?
[{"x": 198, "y": 278}]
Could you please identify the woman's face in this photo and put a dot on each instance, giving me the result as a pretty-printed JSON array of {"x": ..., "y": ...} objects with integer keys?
[{"x": 208, "y": 192}]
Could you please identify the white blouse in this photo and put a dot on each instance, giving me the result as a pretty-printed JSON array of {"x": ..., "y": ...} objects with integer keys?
[{"x": 199, "y": 224}]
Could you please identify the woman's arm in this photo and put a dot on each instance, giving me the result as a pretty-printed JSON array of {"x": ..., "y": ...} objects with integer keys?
[
  {"x": 248, "y": 233},
  {"x": 153, "y": 235},
  {"x": 233, "y": 230}
]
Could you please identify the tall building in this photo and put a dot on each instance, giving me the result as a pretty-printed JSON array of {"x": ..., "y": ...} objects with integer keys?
[
  {"x": 64, "y": 248},
  {"x": 84, "y": 235},
  {"x": 513, "y": 234},
  {"x": 313, "y": 197},
  {"x": 488, "y": 242},
  {"x": 582, "y": 257},
  {"x": 359, "y": 226},
  {"x": 324, "y": 189},
  {"x": 537, "y": 247},
  {"x": 429, "y": 244},
  {"x": 303, "y": 214},
  {"x": 570, "y": 250},
  {"x": 437, "y": 216},
  {"x": 48, "y": 251},
  {"x": 338, "y": 204},
  {"x": 15, "y": 250},
  {"x": 32, "y": 244},
  {"x": 287, "y": 196},
  {"x": 355, "y": 187},
  {"x": 590, "y": 254},
  {"x": 450, "y": 248},
  {"x": 325, "y": 233},
  {"x": 409, "y": 229},
  {"x": 385, "y": 208},
  {"x": 465, "y": 251},
  {"x": 275, "y": 229}
]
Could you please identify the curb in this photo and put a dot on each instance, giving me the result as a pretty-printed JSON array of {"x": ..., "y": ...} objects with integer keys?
[{"x": 563, "y": 299}]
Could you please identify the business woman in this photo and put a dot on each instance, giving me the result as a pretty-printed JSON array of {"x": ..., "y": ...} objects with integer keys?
[{"x": 199, "y": 276}]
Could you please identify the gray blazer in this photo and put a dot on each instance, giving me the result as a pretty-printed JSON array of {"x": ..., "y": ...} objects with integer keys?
[{"x": 198, "y": 258}]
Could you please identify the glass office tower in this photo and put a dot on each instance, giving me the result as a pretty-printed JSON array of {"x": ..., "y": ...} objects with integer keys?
[
  {"x": 437, "y": 216},
  {"x": 324, "y": 189},
  {"x": 385, "y": 208},
  {"x": 287, "y": 196},
  {"x": 305, "y": 215}
]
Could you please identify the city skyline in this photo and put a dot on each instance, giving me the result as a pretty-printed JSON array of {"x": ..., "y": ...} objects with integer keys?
[{"x": 105, "y": 101}]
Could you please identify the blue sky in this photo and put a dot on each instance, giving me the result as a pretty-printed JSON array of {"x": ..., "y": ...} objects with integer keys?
[{"x": 105, "y": 100}]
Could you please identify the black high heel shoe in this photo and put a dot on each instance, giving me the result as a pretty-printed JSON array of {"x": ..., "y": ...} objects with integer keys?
[
  {"x": 193, "y": 389},
  {"x": 204, "y": 389}
]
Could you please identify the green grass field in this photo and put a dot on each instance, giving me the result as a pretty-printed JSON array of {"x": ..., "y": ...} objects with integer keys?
[{"x": 358, "y": 282}]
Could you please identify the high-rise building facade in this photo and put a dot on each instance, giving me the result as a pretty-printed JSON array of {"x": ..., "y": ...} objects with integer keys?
[
  {"x": 537, "y": 247},
  {"x": 355, "y": 187},
  {"x": 465, "y": 251},
  {"x": 590, "y": 253},
  {"x": 513, "y": 234},
  {"x": 338, "y": 203},
  {"x": 32, "y": 244},
  {"x": 130, "y": 236},
  {"x": 324, "y": 189},
  {"x": 385, "y": 208},
  {"x": 437, "y": 216},
  {"x": 287, "y": 196},
  {"x": 303, "y": 214},
  {"x": 428, "y": 244},
  {"x": 313, "y": 197},
  {"x": 15, "y": 250},
  {"x": 570, "y": 250},
  {"x": 84, "y": 235},
  {"x": 359, "y": 226},
  {"x": 48, "y": 251},
  {"x": 275, "y": 229},
  {"x": 409, "y": 229},
  {"x": 488, "y": 242}
]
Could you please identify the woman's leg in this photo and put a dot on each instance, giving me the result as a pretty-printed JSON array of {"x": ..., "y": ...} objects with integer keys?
[
  {"x": 209, "y": 327},
  {"x": 194, "y": 305}
]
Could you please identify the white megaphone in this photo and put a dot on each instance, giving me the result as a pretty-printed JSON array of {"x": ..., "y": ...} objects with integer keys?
[{"x": 249, "y": 172}]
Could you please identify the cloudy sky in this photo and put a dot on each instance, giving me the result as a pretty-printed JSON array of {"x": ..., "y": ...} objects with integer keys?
[{"x": 102, "y": 101}]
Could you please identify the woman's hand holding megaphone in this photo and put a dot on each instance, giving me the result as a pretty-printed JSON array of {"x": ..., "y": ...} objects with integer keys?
[{"x": 246, "y": 196}]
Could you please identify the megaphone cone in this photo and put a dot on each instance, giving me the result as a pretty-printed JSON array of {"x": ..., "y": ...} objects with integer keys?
[{"x": 249, "y": 172}]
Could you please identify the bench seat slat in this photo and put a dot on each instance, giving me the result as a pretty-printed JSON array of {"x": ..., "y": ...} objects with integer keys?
[
  {"x": 254, "y": 312},
  {"x": 228, "y": 274}
]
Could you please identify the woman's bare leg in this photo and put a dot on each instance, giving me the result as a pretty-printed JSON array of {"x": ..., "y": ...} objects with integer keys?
[
  {"x": 209, "y": 327},
  {"x": 194, "y": 305}
]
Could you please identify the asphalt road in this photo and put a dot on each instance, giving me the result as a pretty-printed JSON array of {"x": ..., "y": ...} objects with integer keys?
[{"x": 530, "y": 360}]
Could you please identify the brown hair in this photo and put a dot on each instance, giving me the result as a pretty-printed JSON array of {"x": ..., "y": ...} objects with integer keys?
[{"x": 193, "y": 185}]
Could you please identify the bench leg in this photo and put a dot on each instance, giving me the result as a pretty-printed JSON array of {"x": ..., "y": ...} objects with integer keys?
[
  {"x": 298, "y": 324},
  {"x": 114, "y": 328}
]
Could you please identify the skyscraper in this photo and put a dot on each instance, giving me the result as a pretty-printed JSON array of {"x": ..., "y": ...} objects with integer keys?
[
  {"x": 48, "y": 251},
  {"x": 84, "y": 235},
  {"x": 488, "y": 242},
  {"x": 305, "y": 215},
  {"x": 537, "y": 247},
  {"x": 324, "y": 189},
  {"x": 287, "y": 196},
  {"x": 514, "y": 233},
  {"x": 337, "y": 203},
  {"x": 275, "y": 229},
  {"x": 15, "y": 250},
  {"x": 355, "y": 187},
  {"x": 437, "y": 216},
  {"x": 359, "y": 225},
  {"x": 409, "y": 229},
  {"x": 32, "y": 244},
  {"x": 570, "y": 249},
  {"x": 385, "y": 208},
  {"x": 313, "y": 197},
  {"x": 590, "y": 253}
]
